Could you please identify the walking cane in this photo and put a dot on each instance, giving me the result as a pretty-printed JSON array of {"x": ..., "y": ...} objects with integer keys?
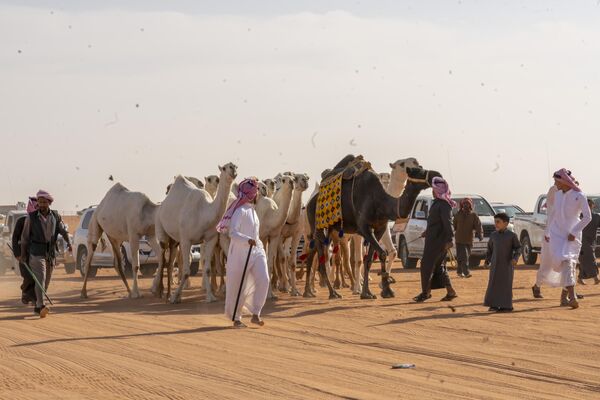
[
  {"x": 241, "y": 284},
  {"x": 34, "y": 278}
]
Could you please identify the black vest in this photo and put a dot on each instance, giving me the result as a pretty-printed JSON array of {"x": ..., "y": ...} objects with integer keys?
[{"x": 38, "y": 245}]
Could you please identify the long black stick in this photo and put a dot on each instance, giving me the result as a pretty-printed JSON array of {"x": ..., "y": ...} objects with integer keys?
[
  {"x": 241, "y": 284},
  {"x": 34, "y": 278}
]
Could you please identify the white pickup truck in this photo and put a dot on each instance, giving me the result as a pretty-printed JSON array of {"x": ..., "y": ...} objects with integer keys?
[{"x": 530, "y": 228}]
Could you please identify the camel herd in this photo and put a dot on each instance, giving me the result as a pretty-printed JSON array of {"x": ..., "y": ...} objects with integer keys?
[{"x": 189, "y": 215}]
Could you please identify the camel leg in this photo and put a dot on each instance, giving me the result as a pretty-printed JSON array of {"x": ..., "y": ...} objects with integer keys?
[
  {"x": 184, "y": 248},
  {"x": 118, "y": 262},
  {"x": 373, "y": 246},
  {"x": 158, "y": 250},
  {"x": 88, "y": 263},
  {"x": 282, "y": 258},
  {"x": 386, "y": 290},
  {"x": 308, "y": 290},
  {"x": 272, "y": 254},
  {"x": 170, "y": 264},
  {"x": 345, "y": 253},
  {"x": 134, "y": 243},
  {"x": 292, "y": 264},
  {"x": 388, "y": 244},
  {"x": 358, "y": 258},
  {"x": 157, "y": 283},
  {"x": 323, "y": 256},
  {"x": 209, "y": 247}
]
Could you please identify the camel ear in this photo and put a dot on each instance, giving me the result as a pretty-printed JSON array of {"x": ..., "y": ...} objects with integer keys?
[
  {"x": 402, "y": 164},
  {"x": 221, "y": 168},
  {"x": 392, "y": 166}
]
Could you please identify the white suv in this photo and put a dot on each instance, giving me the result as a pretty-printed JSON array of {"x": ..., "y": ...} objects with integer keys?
[
  {"x": 410, "y": 244},
  {"x": 103, "y": 256}
]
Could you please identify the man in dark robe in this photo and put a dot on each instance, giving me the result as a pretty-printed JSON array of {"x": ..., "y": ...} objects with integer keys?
[
  {"x": 438, "y": 240},
  {"x": 504, "y": 250},
  {"x": 28, "y": 285},
  {"x": 588, "y": 268},
  {"x": 466, "y": 222}
]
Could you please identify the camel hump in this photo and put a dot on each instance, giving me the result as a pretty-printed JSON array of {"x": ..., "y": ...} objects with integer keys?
[{"x": 118, "y": 187}]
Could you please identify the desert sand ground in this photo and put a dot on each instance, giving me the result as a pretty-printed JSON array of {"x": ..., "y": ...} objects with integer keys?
[{"x": 111, "y": 347}]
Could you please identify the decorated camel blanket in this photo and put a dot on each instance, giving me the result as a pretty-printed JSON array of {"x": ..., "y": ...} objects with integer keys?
[{"x": 329, "y": 200}]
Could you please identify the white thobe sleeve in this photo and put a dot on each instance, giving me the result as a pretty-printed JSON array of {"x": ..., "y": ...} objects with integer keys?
[
  {"x": 237, "y": 220},
  {"x": 587, "y": 217}
]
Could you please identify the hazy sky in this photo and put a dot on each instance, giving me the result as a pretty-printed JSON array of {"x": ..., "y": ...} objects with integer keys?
[{"x": 493, "y": 94}]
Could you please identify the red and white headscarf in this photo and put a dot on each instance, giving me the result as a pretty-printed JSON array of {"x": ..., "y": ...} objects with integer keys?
[
  {"x": 32, "y": 204},
  {"x": 466, "y": 201},
  {"x": 441, "y": 190},
  {"x": 45, "y": 195},
  {"x": 247, "y": 191},
  {"x": 564, "y": 176}
]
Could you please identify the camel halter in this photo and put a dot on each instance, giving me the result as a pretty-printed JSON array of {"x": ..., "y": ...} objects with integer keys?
[{"x": 413, "y": 180}]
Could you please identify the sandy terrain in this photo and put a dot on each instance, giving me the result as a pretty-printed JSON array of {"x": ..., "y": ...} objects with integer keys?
[{"x": 109, "y": 347}]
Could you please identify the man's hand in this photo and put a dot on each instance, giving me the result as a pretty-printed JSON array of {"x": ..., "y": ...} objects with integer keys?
[
  {"x": 18, "y": 258},
  {"x": 252, "y": 242},
  {"x": 424, "y": 234},
  {"x": 547, "y": 239},
  {"x": 514, "y": 263},
  {"x": 480, "y": 237},
  {"x": 70, "y": 248},
  {"x": 449, "y": 245},
  {"x": 571, "y": 237}
]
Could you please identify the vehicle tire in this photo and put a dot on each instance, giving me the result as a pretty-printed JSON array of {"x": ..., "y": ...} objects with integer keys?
[
  {"x": 127, "y": 267},
  {"x": 475, "y": 262},
  {"x": 529, "y": 257},
  {"x": 70, "y": 268},
  {"x": 148, "y": 270},
  {"x": 194, "y": 268},
  {"x": 407, "y": 262},
  {"x": 82, "y": 255}
]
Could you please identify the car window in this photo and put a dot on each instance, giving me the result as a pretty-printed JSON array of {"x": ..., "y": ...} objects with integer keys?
[
  {"x": 542, "y": 206},
  {"x": 86, "y": 220},
  {"x": 480, "y": 206},
  {"x": 596, "y": 201},
  {"x": 417, "y": 208},
  {"x": 511, "y": 211}
]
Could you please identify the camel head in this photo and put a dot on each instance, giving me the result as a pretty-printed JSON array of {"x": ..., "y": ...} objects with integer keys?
[
  {"x": 301, "y": 181},
  {"x": 420, "y": 178},
  {"x": 212, "y": 183},
  {"x": 399, "y": 168},
  {"x": 195, "y": 181},
  {"x": 228, "y": 172},
  {"x": 385, "y": 178},
  {"x": 270, "y": 185},
  {"x": 287, "y": 183},
  {"x": 263, "y": 191}
]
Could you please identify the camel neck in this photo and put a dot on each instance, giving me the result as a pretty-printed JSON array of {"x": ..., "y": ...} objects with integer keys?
[
  {"x": 283, "y": 206},
  {"x": 295, "y": 207},
  {"x": 219, "y": 203},
  {"x": 396, "y": 185},
  {"x": 405, "y": 202}
]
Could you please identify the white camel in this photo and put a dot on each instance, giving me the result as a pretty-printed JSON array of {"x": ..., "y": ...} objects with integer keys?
[
  {"x": 124, "y": 216},
  {"x": 272, "y": 216},
  {"x": 290, "y": 237},
  {"x": 189, "y": 215},
  {"x": 394, "y": 184}
]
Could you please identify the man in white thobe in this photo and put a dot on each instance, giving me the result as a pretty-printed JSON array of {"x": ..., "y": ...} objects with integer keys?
[
  {"x": 242, "y": 224},
  {"x": 567, "y": 217}
]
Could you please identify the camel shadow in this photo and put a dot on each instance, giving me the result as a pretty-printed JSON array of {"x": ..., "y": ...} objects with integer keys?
[{"x": 127, "y": 336}]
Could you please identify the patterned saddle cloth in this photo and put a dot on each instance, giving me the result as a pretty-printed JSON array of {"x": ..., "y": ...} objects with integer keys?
[{"x": 329, "y": 200}]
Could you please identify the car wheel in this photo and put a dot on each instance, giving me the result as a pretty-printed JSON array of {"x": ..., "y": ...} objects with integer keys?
[
  {"x": 148, "y": 270},
  {"x": 194, "y": 268},
  {"x": 70, "y": 268},
  {"x": 82, "y": 256},
  {"x": 407, "y": 262},
  {"x": 475, "y": 262},
  {"x": 529, "y": 257},
  {"x": 127, "y": 267}
]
